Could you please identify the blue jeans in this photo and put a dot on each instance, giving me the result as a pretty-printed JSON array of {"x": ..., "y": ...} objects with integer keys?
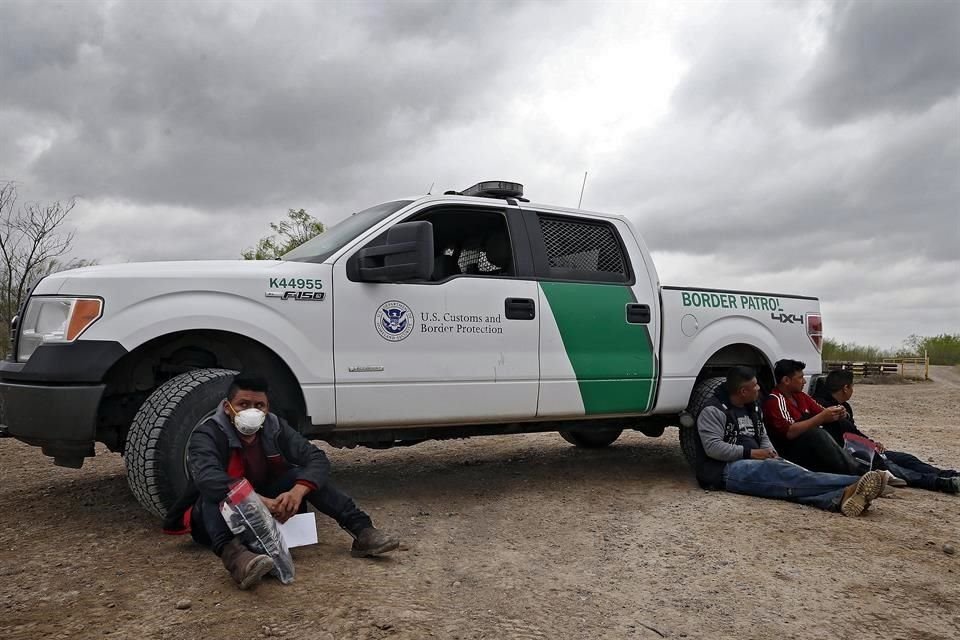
[{"x": 784, "y": 480}]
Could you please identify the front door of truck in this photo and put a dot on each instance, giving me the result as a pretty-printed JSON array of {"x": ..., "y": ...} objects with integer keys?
[{"x": 460, "y": 348}]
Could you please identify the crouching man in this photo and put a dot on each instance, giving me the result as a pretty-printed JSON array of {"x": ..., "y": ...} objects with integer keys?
[
  {"x": 244, "y": 440},
  {"x": 735, "y": 454}
]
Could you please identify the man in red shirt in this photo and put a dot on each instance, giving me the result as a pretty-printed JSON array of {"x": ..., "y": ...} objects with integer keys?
[{"x": 795, "y": 418}]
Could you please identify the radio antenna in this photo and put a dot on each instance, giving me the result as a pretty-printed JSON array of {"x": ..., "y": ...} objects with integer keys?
[
  {"x": 582, "y": 187},
  {"x": 430, "y": 190}
]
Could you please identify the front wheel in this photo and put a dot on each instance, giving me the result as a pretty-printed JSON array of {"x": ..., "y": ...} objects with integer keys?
[
  {"x": 591, "y": 439},
  {"x": 156, "y": 449}
]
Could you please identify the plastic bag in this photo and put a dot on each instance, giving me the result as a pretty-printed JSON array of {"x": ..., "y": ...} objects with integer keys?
[
  {"x": 863, "y": 449},
  {"x": 251, "y": 521}
]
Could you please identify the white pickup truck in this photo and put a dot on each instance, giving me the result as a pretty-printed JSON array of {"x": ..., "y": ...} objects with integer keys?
[{"x": 437, "y": 317}]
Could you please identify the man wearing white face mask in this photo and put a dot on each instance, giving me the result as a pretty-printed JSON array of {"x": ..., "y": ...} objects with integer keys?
[{"x": 244, "y": 440}]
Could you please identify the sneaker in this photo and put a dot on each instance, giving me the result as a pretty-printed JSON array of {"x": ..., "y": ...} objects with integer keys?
[
  {"x": 949, "y": 485},
  {"x": 857, "y": 497},
  {"x": 893, "y": 480},
  {"x": 373, "y": 542}
]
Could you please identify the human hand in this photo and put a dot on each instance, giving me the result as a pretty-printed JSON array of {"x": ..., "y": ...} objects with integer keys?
[
  {"x": 269, "y": 503},
  {"x": 763, "y": 454},
  {"x": 832, "y": 414},
  {"x": 880, "y": 447},
  {"x": 288, "y": 503}
]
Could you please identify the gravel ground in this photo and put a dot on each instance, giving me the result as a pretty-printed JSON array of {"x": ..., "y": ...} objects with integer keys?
[{"x": 507, "y": 537}]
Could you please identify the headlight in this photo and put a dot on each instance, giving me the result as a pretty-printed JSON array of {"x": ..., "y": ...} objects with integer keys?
[{"x": 55, "y": 319}]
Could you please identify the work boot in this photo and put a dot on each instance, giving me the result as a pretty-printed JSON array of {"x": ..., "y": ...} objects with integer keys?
[
  {"x": 373, "y": 542},
  {"x": 857, "y": 497},
  {"x": 245, "y": 566}
]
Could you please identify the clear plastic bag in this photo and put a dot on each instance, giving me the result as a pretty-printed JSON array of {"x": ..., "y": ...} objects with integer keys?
[
  {"x": 863, "y": 449},
  {"x": 251, "y": 521}
]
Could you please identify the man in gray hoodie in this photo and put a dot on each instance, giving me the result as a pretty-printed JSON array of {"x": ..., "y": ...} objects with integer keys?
[{"x": 734, "y": 453}]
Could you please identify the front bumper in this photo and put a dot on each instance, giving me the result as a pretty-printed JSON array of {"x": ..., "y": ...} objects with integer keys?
[
  {"x": 52, "y": 400},
  {"x": 60, "y": 419}
]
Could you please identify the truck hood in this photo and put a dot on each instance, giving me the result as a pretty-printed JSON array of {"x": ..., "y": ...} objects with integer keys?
[{"x": 81, "y": 280}]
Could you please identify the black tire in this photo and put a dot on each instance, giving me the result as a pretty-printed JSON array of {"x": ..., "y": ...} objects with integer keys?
[
  {"x": 155, "y": 453},
  {"x": 698, "y": 399},
  {"x": 592, "y": 439}
]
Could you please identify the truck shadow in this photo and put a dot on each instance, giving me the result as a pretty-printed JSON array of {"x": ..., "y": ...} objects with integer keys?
[
  {"x": 428, "y": 473},
  {"x": 538, "y": 466}
]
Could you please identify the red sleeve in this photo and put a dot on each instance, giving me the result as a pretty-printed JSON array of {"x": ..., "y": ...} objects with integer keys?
[
  {"x": 307, "y": 484},
  {"x": 812, "y": 406},
  {"x": 777, "y": 415}
]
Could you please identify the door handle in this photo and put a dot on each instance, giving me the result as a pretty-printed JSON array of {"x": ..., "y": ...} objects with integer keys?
[
  {"x": 520, "y": 309},
  {"x": 638, "y": 313}
]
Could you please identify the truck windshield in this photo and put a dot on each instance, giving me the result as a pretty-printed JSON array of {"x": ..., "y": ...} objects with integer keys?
[{"x": 321, "y": 247}]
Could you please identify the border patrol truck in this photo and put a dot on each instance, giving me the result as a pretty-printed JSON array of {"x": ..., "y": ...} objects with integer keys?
[{"x": 446, "y": 316}]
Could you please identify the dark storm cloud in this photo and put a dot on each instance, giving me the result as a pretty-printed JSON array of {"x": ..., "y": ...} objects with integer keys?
[
  {"x": 885, "y": 57},
  {"x": 222, "y": 105},
  {"x": 805, "y": 147},
  {"x": 896, "y": 185}
]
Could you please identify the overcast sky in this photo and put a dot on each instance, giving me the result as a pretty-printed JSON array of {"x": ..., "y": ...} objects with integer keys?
[{"x": 798, "y": 147}]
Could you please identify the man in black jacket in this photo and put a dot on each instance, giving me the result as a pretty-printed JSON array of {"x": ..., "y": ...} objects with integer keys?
[
  {"x": 734, "y": 453},
  {"x": 837, "y": 389},
  {"x": 244, "y": 440}
]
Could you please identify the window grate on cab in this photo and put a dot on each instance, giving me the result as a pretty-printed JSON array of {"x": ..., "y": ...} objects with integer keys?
[
  {"x": 474, "y": 260},
  {"x": 581, "y": 246}
]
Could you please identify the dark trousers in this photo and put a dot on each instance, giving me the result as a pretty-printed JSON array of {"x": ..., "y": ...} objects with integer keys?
[
  {"x": 208, "y": 527},
  {"x": 915, "y": 471},
  {"x": 816, "y": 450}
]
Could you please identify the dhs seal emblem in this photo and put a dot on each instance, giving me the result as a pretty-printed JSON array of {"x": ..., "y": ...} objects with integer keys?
[{"x": 394, "y": 321}]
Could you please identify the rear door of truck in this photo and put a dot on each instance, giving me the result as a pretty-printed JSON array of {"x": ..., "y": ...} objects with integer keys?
[{"x": 599, "y": 321}]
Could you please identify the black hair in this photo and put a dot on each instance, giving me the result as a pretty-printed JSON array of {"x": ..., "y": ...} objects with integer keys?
[
  {"x": 838, "y": 379},
  {"x": 247, "y": 383},
  {"x": 737, "y": 376},
  {"x": 786, "y": 369}
]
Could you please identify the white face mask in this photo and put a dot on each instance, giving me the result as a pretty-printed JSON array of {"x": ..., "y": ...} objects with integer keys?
[{"x": 248, "y": 421}]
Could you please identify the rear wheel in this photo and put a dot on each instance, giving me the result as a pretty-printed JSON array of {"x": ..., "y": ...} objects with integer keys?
[
  {"x": 591, "y": 439},
  {"x": 156, "y": 448},
  {"x": 702, "y": 393}
]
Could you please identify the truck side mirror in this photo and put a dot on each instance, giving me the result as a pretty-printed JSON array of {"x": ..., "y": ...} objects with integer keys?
[{"x": 407, "y": 254}]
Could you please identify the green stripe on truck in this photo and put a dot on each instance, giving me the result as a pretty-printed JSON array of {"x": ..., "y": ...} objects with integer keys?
[{"x": 613, "y": 360}]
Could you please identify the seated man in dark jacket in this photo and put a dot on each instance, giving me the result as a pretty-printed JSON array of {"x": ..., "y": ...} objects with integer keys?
[
  {"x": 836, "y": 390},
  {"x": 735, "y": 454},
  {"x": 244, "y": 440}
]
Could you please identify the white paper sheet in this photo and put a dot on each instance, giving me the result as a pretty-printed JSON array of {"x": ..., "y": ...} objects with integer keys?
[{"x": 300, "y": 530}]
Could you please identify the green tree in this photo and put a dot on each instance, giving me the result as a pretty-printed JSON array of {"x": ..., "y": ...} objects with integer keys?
[
  {"x": 287, "y": 235},
  {"x": 941, "y": 349}
]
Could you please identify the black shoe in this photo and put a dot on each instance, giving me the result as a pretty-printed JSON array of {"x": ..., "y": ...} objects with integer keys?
[
  {"x": 373, "y": 542},
  {"x": 949, "y": 485}
]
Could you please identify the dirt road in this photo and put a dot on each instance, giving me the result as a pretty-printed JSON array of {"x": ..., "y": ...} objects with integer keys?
[
  {"x": 507, "y": 537},
  {"x": 946, "y": 375}
]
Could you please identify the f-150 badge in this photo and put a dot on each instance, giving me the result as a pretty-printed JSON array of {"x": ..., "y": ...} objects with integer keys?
[{"x": 314, "y": 296}]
